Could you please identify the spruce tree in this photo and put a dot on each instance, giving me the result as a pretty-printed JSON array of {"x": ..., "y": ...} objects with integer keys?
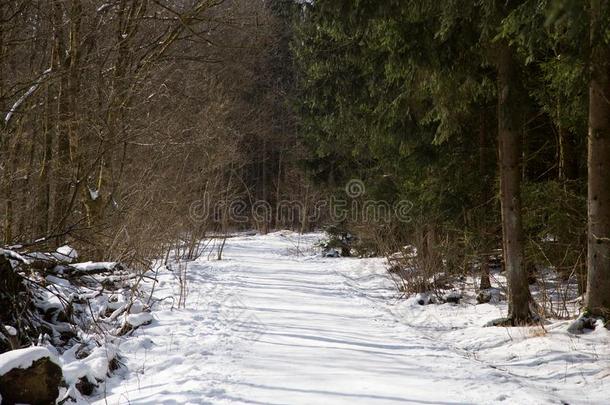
[{"x": 598, "y": 252}]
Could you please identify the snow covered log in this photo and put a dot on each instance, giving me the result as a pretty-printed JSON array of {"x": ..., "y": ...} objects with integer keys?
[
  {"x": 30, "y": 375},
  {"x": 49, "y": 260},
  {"x": 12, "y": 255},
  {"x": 87, "y": 268},
  {"x": 60, "y": 261},
  {"x": 95, "y": 267}
]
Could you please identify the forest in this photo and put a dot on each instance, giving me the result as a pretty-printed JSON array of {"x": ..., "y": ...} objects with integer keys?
[
  {"x": 491, "y": 117},
  {"x": 141, "y": 133}
]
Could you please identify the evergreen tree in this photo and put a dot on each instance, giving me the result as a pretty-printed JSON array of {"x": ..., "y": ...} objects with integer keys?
[
  {"x": 414, "y": 96},
  {"x": 598, "y": 256}
]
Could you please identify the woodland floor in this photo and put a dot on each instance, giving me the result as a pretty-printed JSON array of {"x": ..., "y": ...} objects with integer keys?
[{"x": 276, "y": 323}]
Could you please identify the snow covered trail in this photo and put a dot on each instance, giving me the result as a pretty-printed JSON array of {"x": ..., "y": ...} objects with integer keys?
[{"x": 272, "y": 323}]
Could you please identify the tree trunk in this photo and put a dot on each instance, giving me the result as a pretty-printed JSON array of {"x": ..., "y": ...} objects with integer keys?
[
  {"x": 4, "y": 233},
  {"x": 510, "y": 146},
  {"x": 598, "y": 241},
  {"x": 568, "y": 162},
  {"x": 484, "y": 157},
  {"x": 9, "y": 181},
  {"x": 485, "y": 282},
  {"x": 44, "y": 207},
  {"x": 61, "y": 170}
]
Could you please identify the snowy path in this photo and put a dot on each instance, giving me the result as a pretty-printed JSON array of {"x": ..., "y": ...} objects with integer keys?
[{"x": 268, "y": 326}]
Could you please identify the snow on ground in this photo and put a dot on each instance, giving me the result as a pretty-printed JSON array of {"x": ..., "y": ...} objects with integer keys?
[{"x": 275, "y": 323}]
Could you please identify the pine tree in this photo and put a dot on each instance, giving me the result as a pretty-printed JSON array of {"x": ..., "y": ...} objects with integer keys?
[{"x": 598, "y": 253}]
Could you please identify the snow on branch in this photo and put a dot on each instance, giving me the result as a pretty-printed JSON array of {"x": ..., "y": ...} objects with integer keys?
[
  {"x": 10, "y": 254},
  {"x": 25, "y": 96}
]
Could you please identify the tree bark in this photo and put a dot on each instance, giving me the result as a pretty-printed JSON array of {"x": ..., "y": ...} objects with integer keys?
[
  {"x": 484, "y": 157},
  {"x": 61, "y": 171},
  {"x": 510, "y": 147},
  {"x": 46, "y": 176},
  {"x": 568, "y": 162},
  {"x": 598, "y": 241}
]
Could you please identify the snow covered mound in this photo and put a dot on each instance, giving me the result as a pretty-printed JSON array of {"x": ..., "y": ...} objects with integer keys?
[
  {"x": 24, "y": 358},
  {"x": 32, "y": 375},
  {"x": 276, "y": 323}
]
